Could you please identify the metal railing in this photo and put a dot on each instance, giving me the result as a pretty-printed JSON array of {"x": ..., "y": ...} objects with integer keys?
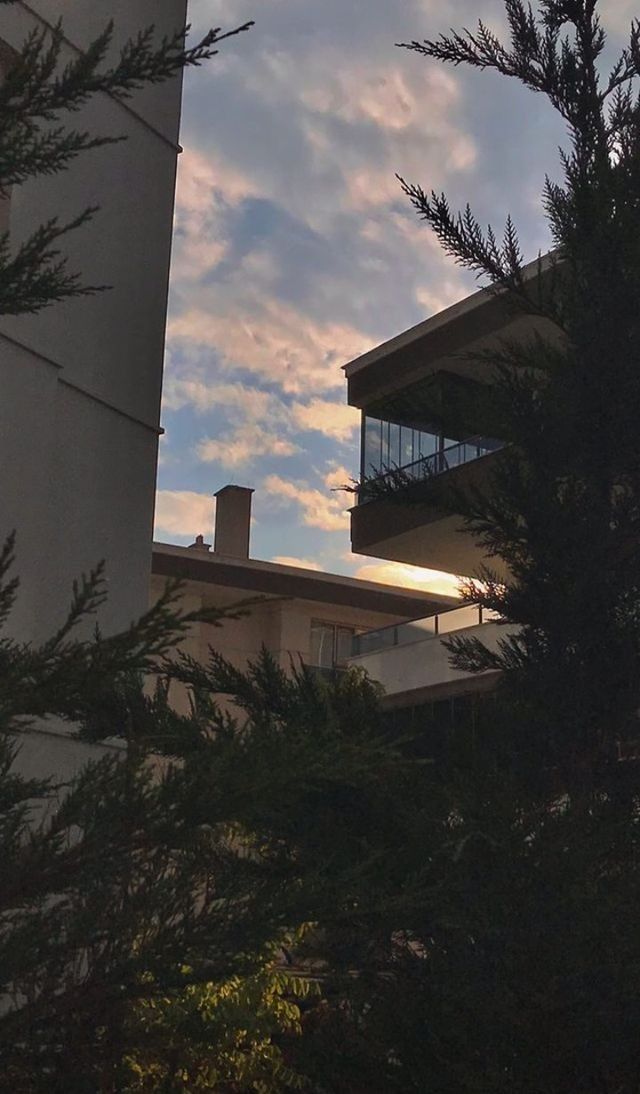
[
  {"x": 433, "y": 626},
  {"x": 437, "y": 463}
]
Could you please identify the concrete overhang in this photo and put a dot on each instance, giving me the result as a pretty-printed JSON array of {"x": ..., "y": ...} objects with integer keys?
[
  {"x": 254, "y": 577},
  {"x": 441, "y": 343},
  {"x": 418, "y": 527}
]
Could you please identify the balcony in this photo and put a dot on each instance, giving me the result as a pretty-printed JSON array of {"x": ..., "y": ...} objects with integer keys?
[
  {"x": 444, "y": 458},
  {"x": 426, "y": 530},
  {"x": 411, "y": 661}
]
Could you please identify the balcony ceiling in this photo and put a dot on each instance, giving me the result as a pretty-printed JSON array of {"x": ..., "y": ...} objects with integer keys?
[
  {"x": 443, "y": 401},
  {"x": 446, "y": 342}
]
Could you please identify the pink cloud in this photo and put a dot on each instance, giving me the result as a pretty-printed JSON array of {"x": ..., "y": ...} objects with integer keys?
[
  {"x": 318, "y": 510},
  {"x": 264, "y": 422},
  {"x": 242, "y": 446},
  {"x": 274, "y": 341},
  {"x": 202, "y": 395},
  {"x": 203, "y": 179},
  {"x": 336, "y": 420},
  {"x": 336, "y": 478},
  {"x": 392, "y": 97},
  {"x": 206, "y": 188},
  {"x": 183, "y": 512},
  {"x": 440, "y": 296}
]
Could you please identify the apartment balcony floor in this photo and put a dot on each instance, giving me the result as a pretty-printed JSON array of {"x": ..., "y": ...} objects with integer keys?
[{"x": 417, "y": 527}]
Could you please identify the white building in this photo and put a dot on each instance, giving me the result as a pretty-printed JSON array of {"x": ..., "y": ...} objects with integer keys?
[
  {"x": 81, "y": 381},
  {"x": 300, "y": 615},
  {"x": 427, "y": 409}
]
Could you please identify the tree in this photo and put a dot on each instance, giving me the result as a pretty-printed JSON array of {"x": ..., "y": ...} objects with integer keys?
[
  {"x": 116, "y": 899},
  {"x": 38, "y": 93},
  {"x": 522, "y": 969},
  {"x": 562, "y": 510},
  {"x": 144, "y": 921},
  {"x": 124, "y": 948}
]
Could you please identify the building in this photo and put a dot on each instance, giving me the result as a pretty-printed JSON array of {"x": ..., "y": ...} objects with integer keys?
[
  {"x": 427, "y": 410},
  {"x": 301, "y": 615},
  {"x": 81, "y": 381}
]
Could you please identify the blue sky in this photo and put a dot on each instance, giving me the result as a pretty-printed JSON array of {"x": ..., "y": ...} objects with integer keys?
[{"x": 295, "y": 250}]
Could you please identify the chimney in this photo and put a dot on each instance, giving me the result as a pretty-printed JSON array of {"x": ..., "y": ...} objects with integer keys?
[
  {"x": 199, "y": 545},
  {"x": 233, "y": 521}
]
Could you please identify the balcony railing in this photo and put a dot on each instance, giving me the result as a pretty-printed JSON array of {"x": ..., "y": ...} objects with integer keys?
[
  {"x": 437, "y": 463},
  {"x": 434, "y": 626}
]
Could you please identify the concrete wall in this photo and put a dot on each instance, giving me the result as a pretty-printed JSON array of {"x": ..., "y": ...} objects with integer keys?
[{"x": 81, "y": 381}]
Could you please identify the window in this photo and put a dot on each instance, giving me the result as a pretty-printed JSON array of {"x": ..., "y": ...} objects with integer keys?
[
  {"x": 330, "y": 644},
  {"x": 388, "y": 444}
]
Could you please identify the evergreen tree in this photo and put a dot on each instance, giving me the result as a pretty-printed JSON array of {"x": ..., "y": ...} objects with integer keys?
[
  {"x": 521, "y": 970},
  {"x": 146, "y": 913},
  {"x": 562, "y": 510},
  {"x": 127, "y": 959}
]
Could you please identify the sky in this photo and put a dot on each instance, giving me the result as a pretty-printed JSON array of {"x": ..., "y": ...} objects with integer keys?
[{"x": 295, "y": 250}]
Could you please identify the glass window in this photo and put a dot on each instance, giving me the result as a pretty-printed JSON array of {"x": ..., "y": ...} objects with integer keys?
[
  {"x": 394, "y": 445},
  {"x": 344, "y": 641},
  {"x": 384, "y": 447},
  {"x": 426, "y": 444},
  {"x": 322, "y": 642},
  {"x": 406, "y": 446},
  {"x": 330, "y": 644},
  {"x": 372, "y": 440}
]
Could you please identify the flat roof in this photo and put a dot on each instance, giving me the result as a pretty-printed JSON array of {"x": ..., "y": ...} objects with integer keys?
[{"x": 276, "y": 579}]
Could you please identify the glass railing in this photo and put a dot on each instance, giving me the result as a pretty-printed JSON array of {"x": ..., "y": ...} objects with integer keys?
[
  {"x": 402, "y": 634},
  {"x": 437, "y": 463}
]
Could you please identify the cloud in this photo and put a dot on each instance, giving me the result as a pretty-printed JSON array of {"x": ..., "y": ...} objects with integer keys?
[
  {"x": 318, "y": 509},
  {"x": 266, "y": 423},
  {"x": 275, "y": 342},
  {"x": 183, "y": 512},
  {"x": 412, "y": 577},
  {"x": 336, "y": 420},
  {"x": 382, "y": 98},
  {"x": 403, "y": 119},
  {"x": 439, "y": 296},
  {"x": 295, "y": 250},
  {"x": 203, "y": 396},
  {"x": 336, "y": 478},
  {"x": 242, "y": 446},
  {"x": 204, "y": 179},
  {"x": 616, "y": 16},
  {"x": 303, "y": 563},
  {"x": 206, "y": 191}
]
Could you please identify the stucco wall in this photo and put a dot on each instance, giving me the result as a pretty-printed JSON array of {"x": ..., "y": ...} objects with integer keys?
[{"x": 81, "y": 381}]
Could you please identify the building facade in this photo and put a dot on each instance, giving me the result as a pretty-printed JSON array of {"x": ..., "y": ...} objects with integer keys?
[
  {"x": 81, "y": 381},
  {"x": 429, "y": 425},
  {"x": 298, "y": 615}
]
